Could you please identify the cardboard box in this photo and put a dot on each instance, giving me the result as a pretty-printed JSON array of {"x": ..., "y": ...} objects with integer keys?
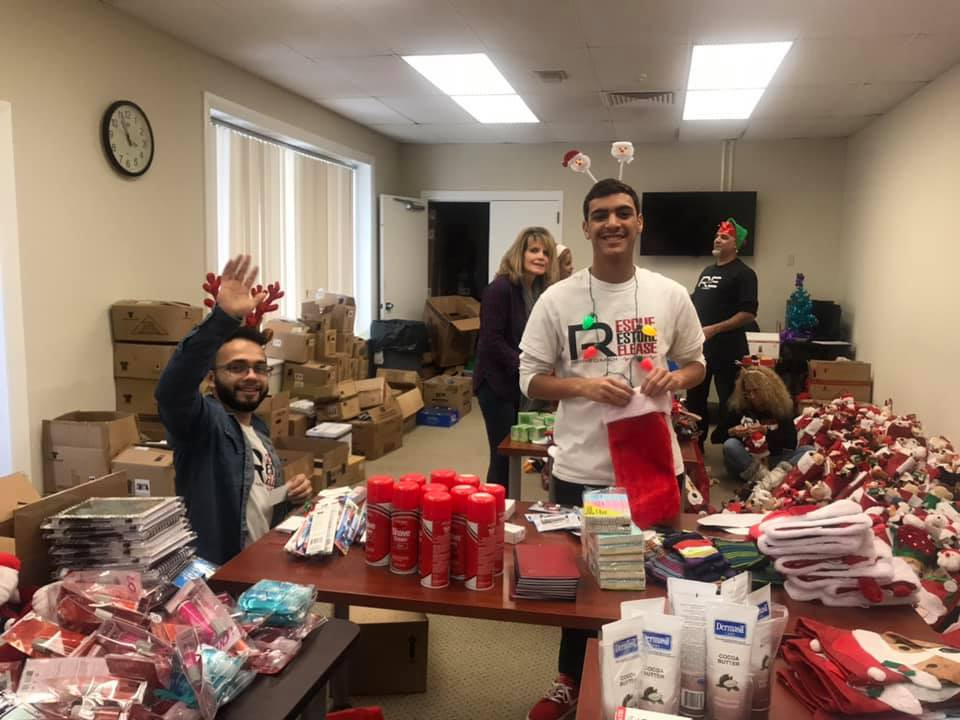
[
  {"x": 343, "y": 409},
  {"x": 345, "y": 343},
  {"x": 449, "y": 391},
  {"x": 274, "y": 410},
  {"x": 79, "y": 445},
  {"x": 310, "y": 380},
  {"x": 438, "y": 417},
  {"x": 390, "y": 655},
  {"x": 326, "y": 344},
  {"x": 372, "y": 392},
  {"x": 15, "y": 491},
  {"x": 861, "y": 391},
  {"x": 356, "y": 470},
  {"x": 357, "y": 369},
  {"x": 402, "y": 379},
  {"x": 381, "y": 433},
  {"x": 275, "y": 383},
  {"x": 279, "y": 401},
  {"x": 845, "y": 371},
  {"x": 342, "y": 361},
  {"x": 292, "y": 341},
  {"x": 134, "y": 360},
  {"x": 295, "y": 462},
  {"x": 410, "y": 403},
  {"x": 151, "y": 429},
  {"x": 453, "y": 323},
  {"x": 154, "y": 321},
  {"x": 136, "y": 396},
  {"x": 30, "y": 546},
  {"x": 149, "y": 470},
  {"x": 298, "y": 425},
  {"x": 339, "y": 310},
  {"x": 329, "y": 458},
  {"x": 763, "y": 344}
]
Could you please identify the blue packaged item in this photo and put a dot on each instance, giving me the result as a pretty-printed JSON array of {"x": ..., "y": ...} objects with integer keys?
[
  {"x": 225, "y": 673},
  {"x": 438, "y": 417},
  {"x": 282, "y": 604}
]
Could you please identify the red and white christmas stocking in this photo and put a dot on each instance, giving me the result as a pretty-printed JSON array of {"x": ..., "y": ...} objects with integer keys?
[{"x": 642, "y": 451}]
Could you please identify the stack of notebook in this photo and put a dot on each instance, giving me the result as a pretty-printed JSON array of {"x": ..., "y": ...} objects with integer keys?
[
  {"x": 545, "y": 572},
  {"x": 148, "y": 534}
]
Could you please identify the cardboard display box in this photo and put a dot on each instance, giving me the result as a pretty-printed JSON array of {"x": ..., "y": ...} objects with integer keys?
[
  {"x": 372, "y": 392},
  {"x": 343, "y": 363},
  {"x": 15, "y": 491},
  {"x": 345, "y": 408},
  {"x": 378, "y": 435},
  {"x": 861, "y": 391},
  {"x": 274, "y": 410},
  {"x": 329, "y": 458},
  {"x": 80, "y": 445},
  {"x": 292, "y": 341},
  {"x": 151, "y": 429},
  {"x": 356, "y": 470},
  {"x": 295, "y": 462},
  {"x": 843, "y": 371},
  {"x": 390, "y": 655},
  {"x": 453, "y": 322},
  {"x": 146, "y": 362},
  {"x": 410, "y": 403},
  {"x": 136, "y": 396},
  {"x": 449, "y": 391},
  {"x": 326, "y": 344},
  {"x": 29, "y": 544},
  {"x": 311, "y": 380},
  {"x": 763, "y": 344},
  {"x": 345, "y": 343},
  {"x": 299, "y": 424},
  {"x": 149, "y": 470},
  {"x": 153, "y": 321},
  {"x": 339, "y": 311}
]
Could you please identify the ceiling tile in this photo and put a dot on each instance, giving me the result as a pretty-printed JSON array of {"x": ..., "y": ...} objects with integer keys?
[
  {"x": 811, "y": 127},
  {"x": 381, "y": 75},
  {"x": 368, "y": 111},
  {"x": 877, "y": 98},
  {"x": 582, "y": 132},
  {"x": 518, "y": 68},
  {"x": 726, "y": 21},
  {"x": 586, "y": 107},
  {"x": 650, "y": 66},
  {"x": 416, "y": 27},
  {"x": 649, "y": 131},
  {"x": 524, "y": 133},
  {"x": 701, "y": 130},
  {"x": 531, "y": 25},
  {"x": 428, "y": 109},
  {"x": 804, "y": 100},
  {"x": 872, "y": 18},
  {"x": 614, "y": 22}
]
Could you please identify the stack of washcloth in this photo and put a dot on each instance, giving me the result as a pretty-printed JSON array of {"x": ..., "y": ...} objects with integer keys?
[
  {"x": 832, "y": 554},
  {"x": 743, "y": 555},
  {"x": 689, "y": 555}
]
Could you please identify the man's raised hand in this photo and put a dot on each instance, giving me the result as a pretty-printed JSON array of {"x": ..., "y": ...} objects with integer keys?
[{"x": 236, "y": 281}]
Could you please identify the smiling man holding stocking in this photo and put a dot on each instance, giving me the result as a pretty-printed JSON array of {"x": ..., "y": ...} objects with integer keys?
[{"x": 592, "y": 330}]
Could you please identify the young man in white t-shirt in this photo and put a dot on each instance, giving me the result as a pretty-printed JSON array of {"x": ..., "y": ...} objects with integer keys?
[{"x": 610, "y": 307}]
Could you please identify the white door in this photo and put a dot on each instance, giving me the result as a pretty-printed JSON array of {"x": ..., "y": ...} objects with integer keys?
[
  {"x": 403, "y": 257},
  {"x": 509, "y": 217}
]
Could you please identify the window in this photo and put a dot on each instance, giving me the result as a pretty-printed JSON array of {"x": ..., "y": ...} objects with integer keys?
[{"x": 293, "y": 212}]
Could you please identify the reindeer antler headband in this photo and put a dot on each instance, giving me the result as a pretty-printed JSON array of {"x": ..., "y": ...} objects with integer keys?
[{"x": 212, "y": 286}]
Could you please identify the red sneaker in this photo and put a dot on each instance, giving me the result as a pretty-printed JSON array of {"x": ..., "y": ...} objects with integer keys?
[{"x": 559, "y": 703}]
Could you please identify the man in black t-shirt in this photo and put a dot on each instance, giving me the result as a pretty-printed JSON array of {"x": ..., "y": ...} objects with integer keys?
[{"x": 726, "y": 301}]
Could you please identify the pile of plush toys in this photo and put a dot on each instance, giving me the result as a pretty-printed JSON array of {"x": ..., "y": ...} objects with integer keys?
[{"x": 905, "y": 481}]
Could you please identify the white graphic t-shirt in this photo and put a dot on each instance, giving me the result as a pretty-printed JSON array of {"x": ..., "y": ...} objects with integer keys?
[
  {"x": 555, "y": 339},
  {"x": 259, "y": 508}
]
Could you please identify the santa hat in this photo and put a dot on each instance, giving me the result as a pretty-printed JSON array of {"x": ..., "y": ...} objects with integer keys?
[
  {"x": 735, "y": 230},
  {"x": 756, "y": 444},
  {"x": 561, "y": 249}
]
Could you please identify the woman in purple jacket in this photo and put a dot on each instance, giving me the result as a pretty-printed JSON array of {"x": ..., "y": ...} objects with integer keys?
[{"x": 527, "y": 268}]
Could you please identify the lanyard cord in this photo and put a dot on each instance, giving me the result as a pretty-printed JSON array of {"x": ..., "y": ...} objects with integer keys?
[{"x": 636, "y": 315}]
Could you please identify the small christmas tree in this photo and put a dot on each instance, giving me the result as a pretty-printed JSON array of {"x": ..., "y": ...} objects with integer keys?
[{"x": 800, "y": 318}]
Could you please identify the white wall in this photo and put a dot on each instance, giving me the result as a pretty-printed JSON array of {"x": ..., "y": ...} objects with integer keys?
[
  {"x": 87, "y": 236},
  {"x": 800, "y": 186},
  {"x": 900, "y": 238}
]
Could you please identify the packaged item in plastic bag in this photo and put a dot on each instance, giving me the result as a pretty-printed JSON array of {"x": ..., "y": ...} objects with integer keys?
[
  {"x": 52, "y": 680},
  {"x": 274, "y": 655},
  {"x": 280, "y": 603},
  {"x": 197, "y": 606},
  {"x": 120, "y": 588},
  {"x": 36, "y": 637},
  {"x": 226, "y": 673},
  {"x": 9, "y": 677}
]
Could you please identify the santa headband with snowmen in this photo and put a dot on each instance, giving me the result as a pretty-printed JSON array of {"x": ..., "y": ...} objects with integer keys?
[{"x": 622, "y": 152}]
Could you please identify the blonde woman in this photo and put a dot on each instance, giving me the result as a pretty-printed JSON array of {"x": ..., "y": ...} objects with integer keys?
[{"x": 526, "y": 270}]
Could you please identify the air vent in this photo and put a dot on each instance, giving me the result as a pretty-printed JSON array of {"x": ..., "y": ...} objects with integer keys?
[
  {"x": 622, "y": 99},
  {"x": 551, "y": 76}
]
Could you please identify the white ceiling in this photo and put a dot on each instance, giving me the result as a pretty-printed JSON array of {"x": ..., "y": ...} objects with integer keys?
[{"x": 851, "y": 61}]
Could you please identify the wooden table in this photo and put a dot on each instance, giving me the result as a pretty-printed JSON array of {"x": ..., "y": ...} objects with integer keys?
[
  {"x": 301, "y": 687},
  {"x": 516, "y": 451},
  {"x": 689, "y": 449}
]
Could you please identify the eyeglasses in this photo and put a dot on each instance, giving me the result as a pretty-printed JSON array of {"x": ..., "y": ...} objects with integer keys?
[{"x": 239, "y": 369}]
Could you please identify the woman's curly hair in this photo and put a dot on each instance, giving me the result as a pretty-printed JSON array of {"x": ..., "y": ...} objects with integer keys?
[{"x": 768, "y": 396}]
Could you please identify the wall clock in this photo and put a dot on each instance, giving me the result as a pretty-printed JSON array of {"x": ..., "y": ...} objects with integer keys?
[{"x": 127, "y": 138}]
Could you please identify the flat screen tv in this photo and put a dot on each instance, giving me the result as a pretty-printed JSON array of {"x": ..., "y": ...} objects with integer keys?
[{"x": 684, "y": 223}]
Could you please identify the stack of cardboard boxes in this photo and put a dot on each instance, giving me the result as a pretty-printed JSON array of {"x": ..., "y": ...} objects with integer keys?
[
  {"x": 145, "y": 334},
  {"x": 830, "y": 379}
]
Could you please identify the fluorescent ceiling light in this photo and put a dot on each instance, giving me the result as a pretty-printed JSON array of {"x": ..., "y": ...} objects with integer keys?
[
  {"x": 727, "y": 81},
  {"x": 720, "y": 104},
  {"x": 472, "y": 74},
  {"x": 496, "y": 108},
  {"x": 476, "y": 85}
]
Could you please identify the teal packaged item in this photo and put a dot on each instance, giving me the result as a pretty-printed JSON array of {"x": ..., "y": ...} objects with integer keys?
[
  {"x": 518, "y": 433},
  {"x": 526, "y": 418},
  {"x": 282, "y": 604}
]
